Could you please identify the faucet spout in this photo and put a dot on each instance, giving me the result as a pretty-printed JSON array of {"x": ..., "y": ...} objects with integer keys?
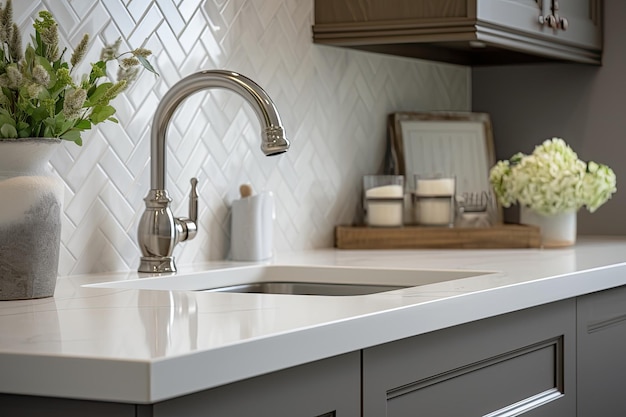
[
  {"x": 159, "y": 231},
  {"x": 273, "y": 140}
]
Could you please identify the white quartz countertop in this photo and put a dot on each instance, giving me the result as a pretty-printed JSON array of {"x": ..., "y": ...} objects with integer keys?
[{"x": 145, "y": 346}]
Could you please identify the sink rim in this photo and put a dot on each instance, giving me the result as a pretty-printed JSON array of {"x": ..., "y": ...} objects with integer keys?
[
  {"x": 222, "y": 276},
  {"x": 306, "y": 288}
]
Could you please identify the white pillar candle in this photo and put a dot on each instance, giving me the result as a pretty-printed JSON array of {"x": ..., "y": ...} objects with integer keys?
[
  {"x": 434, "y": 211},
  {"x": 385, "y": 212},
  {"x": 435, "y": 187},
  {"x": 435, "y": 198},
  {"x": 385, "y": 191}
]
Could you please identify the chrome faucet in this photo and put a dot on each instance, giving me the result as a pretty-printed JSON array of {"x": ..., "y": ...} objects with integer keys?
[{"x": 159, "y": 231}]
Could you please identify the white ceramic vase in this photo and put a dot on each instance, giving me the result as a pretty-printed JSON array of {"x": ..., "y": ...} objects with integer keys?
[
  {"x": 557, "y": 230},
  {"x": 30, "y": 218}
]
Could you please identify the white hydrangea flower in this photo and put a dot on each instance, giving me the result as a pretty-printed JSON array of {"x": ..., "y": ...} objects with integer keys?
[
  {"x": 598, "y": 185},
  {"x": 552, "y": 180}
]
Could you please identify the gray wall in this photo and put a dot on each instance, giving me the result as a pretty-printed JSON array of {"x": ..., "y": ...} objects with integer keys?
[{"x": 584, "y": 105}]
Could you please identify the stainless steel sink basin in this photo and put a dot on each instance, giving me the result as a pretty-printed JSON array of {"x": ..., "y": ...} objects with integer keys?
[
  {"x": 294, "y": 280},
  {"x": 307, "y": 288}
]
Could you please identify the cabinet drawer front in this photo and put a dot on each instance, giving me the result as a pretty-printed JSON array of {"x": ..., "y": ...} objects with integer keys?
[
  {"x": 525, "y": 379},
  {"x": 500, "y": 366}
]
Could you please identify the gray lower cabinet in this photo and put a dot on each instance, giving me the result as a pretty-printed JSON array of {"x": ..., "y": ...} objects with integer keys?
[
  {"x": 518, "y": 363},
  {"x": 562, "y": 359},
  {"x": 602, "y": 354},
  {"x": 326, "y": 388},
  {"x": 31, "y": 406}
]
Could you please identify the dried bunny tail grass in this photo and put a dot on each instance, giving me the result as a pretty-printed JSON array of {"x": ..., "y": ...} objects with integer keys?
[
  {"x": 73, "y": 103},
  {"x": 112, "y": 92},
  {"x": 15, "y": 44},
  {"x": 142, "y": 52},
  {"x": 80, "y": 51},
  {"x": 128, "y": 74},
  {"x": 40, "y": 75},
  {"x": 110, "y": 52},
  {"x": 6, "y": 21}
]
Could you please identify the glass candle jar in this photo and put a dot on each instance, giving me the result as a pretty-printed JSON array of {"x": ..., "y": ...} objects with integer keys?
[
  {"x": 434, "y": 200},
  {"x": 384, "y": 200}
]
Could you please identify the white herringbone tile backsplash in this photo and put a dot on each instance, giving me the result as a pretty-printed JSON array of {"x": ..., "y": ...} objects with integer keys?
[{"x": 333, "y": 103}]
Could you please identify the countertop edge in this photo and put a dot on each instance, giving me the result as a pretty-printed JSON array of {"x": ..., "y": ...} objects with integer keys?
[
  {"x": 150, "y": 381},
  {"x": 516, "y": 297}
]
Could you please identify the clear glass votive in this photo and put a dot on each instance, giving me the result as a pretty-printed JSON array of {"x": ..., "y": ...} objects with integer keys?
[
  {"x": 434, "y": 200},
  {"x": 384, "y": 200}
]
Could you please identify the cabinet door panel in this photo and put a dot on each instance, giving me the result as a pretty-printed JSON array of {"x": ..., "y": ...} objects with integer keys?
[
  {"x": 521, "y": 15},
  {"x": 32, "y": 406},
  {"x": 326, "y": 388},
  {"x": 583, "y": 17},
  {"x": 602, "y": 354},
  {"x": 466, "y": 32},
  {"x": 584, "y": 22},
  {"x": 333, "y": 11},
  {"x": 522, "y": 361}
]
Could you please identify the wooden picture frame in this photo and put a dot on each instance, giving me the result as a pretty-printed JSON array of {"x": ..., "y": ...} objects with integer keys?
[{"x": 458, "y": 144}]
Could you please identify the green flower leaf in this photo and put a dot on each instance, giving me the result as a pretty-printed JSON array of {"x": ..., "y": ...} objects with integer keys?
[
  {"x": 93, "y": 97},
  {"x": 83, "y": 124},
  {"x": 24, "y": 130},
  {"x": 30, "y": 53},
  {"x": 8, "y": 131},
  {"x": 73, "y": 135},
  {"x": 98, "y": 70},
  {"x": 7, "y": 125},
  {"x": 101, "y": 113},
  {"x": 146, "y": 64},
  {"x": 39, "y": 114}
]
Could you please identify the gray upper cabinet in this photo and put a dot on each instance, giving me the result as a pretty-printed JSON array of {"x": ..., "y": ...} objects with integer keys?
[
  {"x": 467, "y": 32},
  {"x": 569, "y": 24}
]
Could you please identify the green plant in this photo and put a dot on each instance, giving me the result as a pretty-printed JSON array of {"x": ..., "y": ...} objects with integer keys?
[
  {"x": 552, "y": 180},
  {"x": 41, "y": 96}
]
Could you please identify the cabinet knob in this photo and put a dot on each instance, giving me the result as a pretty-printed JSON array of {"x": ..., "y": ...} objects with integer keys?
[
  {"x": 553, "y": 20},
  {"x": 548, "y": 20}
]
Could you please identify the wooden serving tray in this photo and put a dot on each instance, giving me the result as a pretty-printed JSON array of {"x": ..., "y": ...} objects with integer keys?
[{"x": 416, "y": 237}]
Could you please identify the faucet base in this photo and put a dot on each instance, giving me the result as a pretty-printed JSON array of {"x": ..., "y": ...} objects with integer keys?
[{"x": 158, "y": 264}]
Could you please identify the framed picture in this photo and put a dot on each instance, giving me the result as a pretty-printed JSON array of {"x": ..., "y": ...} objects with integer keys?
[{"x": 458, "y": 144}]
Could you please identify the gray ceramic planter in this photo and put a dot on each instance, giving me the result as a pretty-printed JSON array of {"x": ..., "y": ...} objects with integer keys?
[{"x": 30, "y": 219}]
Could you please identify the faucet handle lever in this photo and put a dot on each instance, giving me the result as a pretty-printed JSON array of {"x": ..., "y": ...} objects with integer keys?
[
  {"x": 193, "y": 200},
  {"x": 187, "y": 227}
]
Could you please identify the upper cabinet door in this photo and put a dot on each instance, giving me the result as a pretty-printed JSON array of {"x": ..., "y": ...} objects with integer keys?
[
  {"x": 571, "y": 22},
  {"x": 467, "y": 32}
]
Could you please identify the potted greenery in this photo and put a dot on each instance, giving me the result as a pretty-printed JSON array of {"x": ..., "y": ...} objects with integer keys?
[
  {"x": 42, "y": 102},
  {"x": 551, "y": 185}
]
